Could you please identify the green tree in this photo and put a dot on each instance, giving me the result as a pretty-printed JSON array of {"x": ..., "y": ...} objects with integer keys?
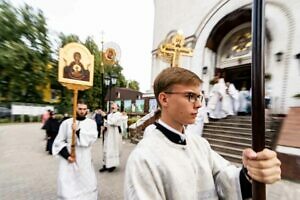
[
  {"x": 65, "y": 39},
  {"x": 116, "y": 69},
  {"x": 134, "y": 85},
  {"x": 93, "y": 95},
  {"x": 65, "y": 104},
  {"x": 24, "y": 53}
]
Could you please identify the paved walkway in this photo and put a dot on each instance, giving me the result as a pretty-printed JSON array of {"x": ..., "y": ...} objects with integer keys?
[{"x": 28, "y": 173}]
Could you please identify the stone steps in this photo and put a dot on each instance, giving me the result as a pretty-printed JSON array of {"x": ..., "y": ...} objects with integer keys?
[
  {"x": 224, "y": 128},
  {"x": 230, "y": 157},
  {"x": 245, "y": 140},
  {"x": 227, "y": 149},
  {"x": 230, "y": 136},
  {"x": 227, "y": 143},
  {"x": 235, "y": 132},
  {"x": 229, "y": 124}
]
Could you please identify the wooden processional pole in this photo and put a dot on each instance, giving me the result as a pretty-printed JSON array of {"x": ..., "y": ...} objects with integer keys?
[
  {"x": 75, "y": 97},
  {"x": 258, "y": 89}
]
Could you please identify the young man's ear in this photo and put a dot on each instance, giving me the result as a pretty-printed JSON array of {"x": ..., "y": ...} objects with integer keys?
[{"x": 163, "y": 99}]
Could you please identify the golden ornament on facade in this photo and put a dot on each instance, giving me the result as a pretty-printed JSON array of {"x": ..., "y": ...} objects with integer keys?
[{"x": 171, "y": 50}]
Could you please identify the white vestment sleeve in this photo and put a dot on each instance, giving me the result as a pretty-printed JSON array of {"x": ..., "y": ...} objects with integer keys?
[
  {"x": 60, "y": 140},
  {"x": 234, "y": 93},
  {"x": 222, "y": 87},
  {"x": 142, "y": 179},
  {"x": 226, "y": 177},
  {"x": 114, "y": 119},
  {"x": 88, "y": 135},
  {"x": 213, "y": 97}
]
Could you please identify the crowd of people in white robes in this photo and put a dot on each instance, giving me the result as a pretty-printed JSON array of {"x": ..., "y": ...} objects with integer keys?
[{"x": 225, "y": 100}]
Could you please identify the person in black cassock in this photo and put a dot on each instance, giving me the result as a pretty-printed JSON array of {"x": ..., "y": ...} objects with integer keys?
[
  {"x": 51, "y": 126},
  {"x": 99, "y": 118}
]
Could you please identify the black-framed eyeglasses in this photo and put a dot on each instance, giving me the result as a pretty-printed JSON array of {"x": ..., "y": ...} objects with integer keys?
[{"x": 191, "y": 96}]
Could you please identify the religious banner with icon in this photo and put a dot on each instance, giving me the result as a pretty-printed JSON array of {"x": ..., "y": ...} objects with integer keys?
[
  {"x": 76, "y": 65},
  {"x": 76, "y": 72}
]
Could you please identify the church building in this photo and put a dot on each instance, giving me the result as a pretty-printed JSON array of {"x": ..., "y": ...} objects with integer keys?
[{"x": 219, "y": 33}]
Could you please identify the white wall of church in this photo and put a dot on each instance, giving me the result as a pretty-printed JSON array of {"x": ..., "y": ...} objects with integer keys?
[
  {"x": 294, "y": 69},
  {"x": 285, "y": 82},
  {"x": 174, "y": 15},
  {"x": 279, "y": 43},
  {"x": 198, "y": 18},
  {"x": 209, "y": 61}
]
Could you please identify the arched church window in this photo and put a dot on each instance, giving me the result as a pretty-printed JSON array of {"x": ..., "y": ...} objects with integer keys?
[
  {"x": 237, "y": 44},
  {"x": 241, "y": 45}
]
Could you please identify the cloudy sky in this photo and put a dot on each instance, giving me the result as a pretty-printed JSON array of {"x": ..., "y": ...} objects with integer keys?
[{"x": 128, "y": 23}]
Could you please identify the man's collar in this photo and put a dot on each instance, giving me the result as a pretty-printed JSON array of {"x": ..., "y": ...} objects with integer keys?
[
  {"x": 79, "y": 118},
  {"x": 172, "y": 134}
]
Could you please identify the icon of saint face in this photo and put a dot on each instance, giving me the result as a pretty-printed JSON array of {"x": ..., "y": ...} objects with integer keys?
[{"x": 77, "y": 56}]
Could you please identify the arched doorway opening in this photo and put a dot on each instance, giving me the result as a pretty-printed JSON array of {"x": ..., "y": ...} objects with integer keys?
[
  {"x": 230, "y": 41},
  {"x": 234, "y": 56},
  {"x": 240, "y": 76}
]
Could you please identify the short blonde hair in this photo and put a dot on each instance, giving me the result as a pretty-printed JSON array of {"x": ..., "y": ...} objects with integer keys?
[{"x": 169, "y": 77}]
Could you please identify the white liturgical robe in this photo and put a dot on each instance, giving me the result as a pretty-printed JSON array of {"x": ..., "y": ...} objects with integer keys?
[
  {"x": 230, "y": 102},
  {"x": 112, "y": 140},
  {"x": 215, "y": 100},
  {"x": 160, "y": 169},
  {"x": 76, "y": 181}
]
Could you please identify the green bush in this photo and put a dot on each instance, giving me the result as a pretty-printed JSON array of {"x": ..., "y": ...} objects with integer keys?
[
  {"x": 18, "y": 118},
  {"x": 26, "y": 118},
  {"x": 132, "y": 120},
  {"x": 5, "y": 120},
  {"x": 59, "y": 116}
]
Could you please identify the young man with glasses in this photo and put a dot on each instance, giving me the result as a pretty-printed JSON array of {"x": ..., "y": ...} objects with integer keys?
[{"x": 169, "y": 164}]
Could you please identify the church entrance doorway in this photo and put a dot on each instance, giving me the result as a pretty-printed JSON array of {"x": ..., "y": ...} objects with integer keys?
[{"x": 240, "y": 76}]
